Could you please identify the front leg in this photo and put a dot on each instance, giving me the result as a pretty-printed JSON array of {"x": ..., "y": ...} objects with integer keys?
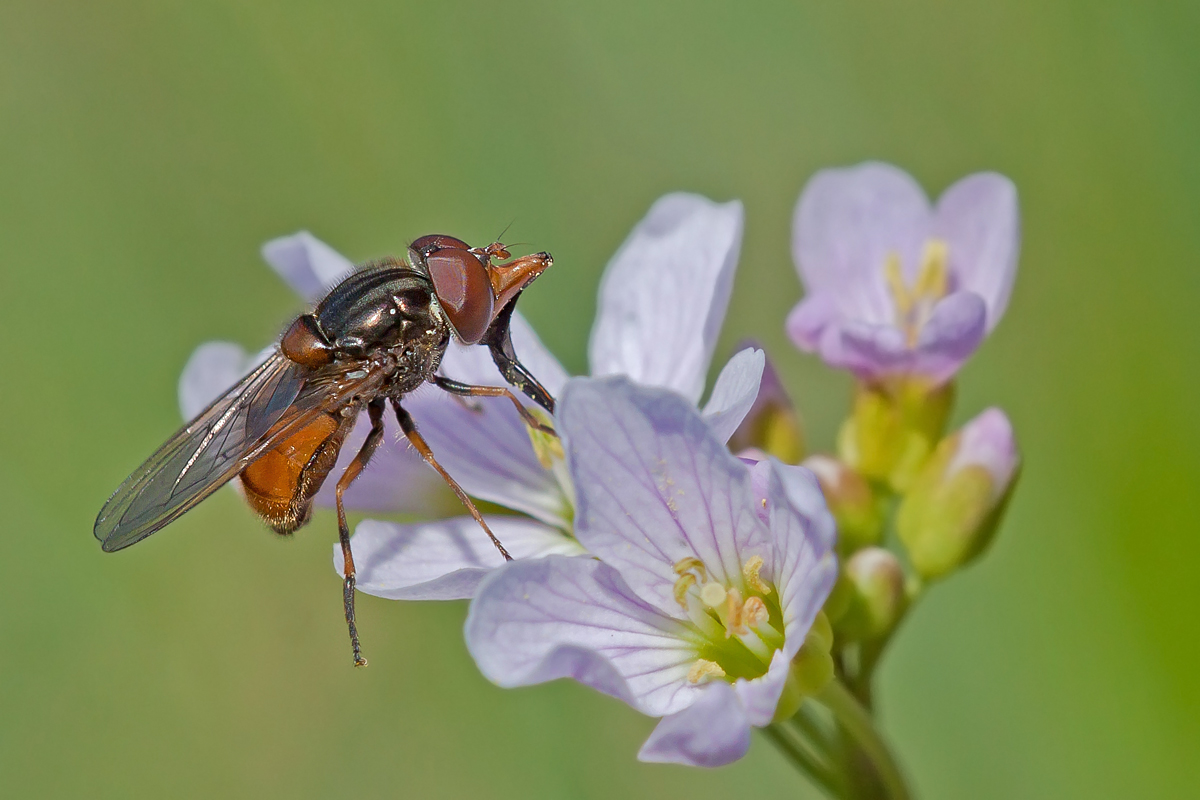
[
  {"x": 458, "y": 389},
  {"x": 498, "y": 339}
]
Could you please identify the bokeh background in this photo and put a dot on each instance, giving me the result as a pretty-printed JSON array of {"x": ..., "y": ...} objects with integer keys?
[{"x": 148, "y": 148}]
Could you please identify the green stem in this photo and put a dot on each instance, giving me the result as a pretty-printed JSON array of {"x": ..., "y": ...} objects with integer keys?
[
  {"x": 857, "y": 723},
  {"x": 801, "y": 755},
  {"x": 872, "y": 652}
]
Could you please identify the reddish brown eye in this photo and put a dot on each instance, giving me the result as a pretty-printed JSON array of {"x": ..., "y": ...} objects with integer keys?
[
  {"x": 464, "y": 291},
  {"x": 438, "y": 241}
]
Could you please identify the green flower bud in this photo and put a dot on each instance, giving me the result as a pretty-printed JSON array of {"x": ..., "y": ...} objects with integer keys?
[
  {"x": 858, "y": 509},
  {"x": 878, "y": 599},
  {"x": 892, "y": 430},
  {"x": 956, "y": 502}
]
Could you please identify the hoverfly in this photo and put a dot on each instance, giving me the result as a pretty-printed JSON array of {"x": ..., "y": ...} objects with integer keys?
[{"x": 376, "y": 336}]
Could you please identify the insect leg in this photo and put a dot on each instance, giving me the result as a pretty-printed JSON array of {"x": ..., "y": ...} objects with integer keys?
[
  {"x": 467, "y": 390},
  {"x": 418, "y": 441},
  {"x": 499, "y": 341},
  {"x": 375, "y": 411}
]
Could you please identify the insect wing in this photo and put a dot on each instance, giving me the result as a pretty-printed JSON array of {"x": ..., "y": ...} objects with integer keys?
[{"x": 275, "y": 399}]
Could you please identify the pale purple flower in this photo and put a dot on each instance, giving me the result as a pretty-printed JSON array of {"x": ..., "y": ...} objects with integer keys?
[
  {"x": 662, "y": 300},
  {"x": 708, "y": 573},
  {"x": 894, "y": 287}
]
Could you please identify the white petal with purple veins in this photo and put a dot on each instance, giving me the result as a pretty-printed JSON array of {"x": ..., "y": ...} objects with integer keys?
[
  {"x": 711, "y": 732},
  {"x": 954, "y": 331},
  {"x": 654, "y": 486},
  {"x": 484, "y": 444},
  {"x": 561, "y": 617},
  {"x": 734, "y": 392},
  {"x": 846, "y": 224},
  {"x": 802, "y": 564},
  {"x": 442, "y": 560},
  {"x": 664, "y": 294},
  {"x": 980, "y": 220}
]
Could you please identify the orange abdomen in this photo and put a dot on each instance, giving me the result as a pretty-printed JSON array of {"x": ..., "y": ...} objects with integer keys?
[{"x": 280, "y": 485}]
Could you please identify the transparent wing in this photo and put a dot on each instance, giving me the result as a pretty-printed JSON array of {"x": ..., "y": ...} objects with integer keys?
[{"x": 276, "y": 399}]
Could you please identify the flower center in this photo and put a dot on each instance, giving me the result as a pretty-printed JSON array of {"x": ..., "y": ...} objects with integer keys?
[
  {"x": 546, "y": 446},
  {"x": 736, "y": 624},
  {"x": 914, "y": 302}
]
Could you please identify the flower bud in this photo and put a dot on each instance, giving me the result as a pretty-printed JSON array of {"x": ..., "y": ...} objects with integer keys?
[
  {"x": 892, "y": 429},
  {"x": 952, "y": 510},
  {"x": 859, "y": 510},
  {"x": 878, "y": 599},
  {"x": 772, "y": 424}
]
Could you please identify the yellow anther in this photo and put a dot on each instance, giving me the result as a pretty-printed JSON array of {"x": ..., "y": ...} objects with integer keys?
[
  {"x": 750, "y": 570},
  {"x": 932, "y": 277},
  {"x": 686, "y": 581},
  {"x": 734, "y": 624},
  {"x": 754, "y": 612},
  {"x": 546, "y": 446},
  {"x": 712, "y": 594},
  {"x": 895, "y": 281},
  {"x": 688, "y": 564},
  {"x": 704, "y": 669},
  {"x": 914, "y": 303}
]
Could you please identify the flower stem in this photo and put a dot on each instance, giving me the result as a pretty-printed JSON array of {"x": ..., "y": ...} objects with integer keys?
[
  {"x": 801, "y": 755},
  {"x": 860, "y": 728}
]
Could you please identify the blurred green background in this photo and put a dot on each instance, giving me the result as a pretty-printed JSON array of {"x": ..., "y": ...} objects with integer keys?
[{"x": 148, "y": 148}]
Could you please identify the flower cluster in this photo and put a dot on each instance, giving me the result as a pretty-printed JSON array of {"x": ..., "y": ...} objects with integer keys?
[{"x": 686, "y": 558}]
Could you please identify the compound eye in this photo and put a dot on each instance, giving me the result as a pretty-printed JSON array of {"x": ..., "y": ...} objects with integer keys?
[
  {"x": 438, "y": 241},
  {"x": 463, "y": 290}
]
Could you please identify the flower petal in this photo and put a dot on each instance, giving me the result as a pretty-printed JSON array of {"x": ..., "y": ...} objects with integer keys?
[
  {"x": 654, "y": 485},
  {"x": 212, "y": 369},
  {"x": 485, "y": 446},
  {"x": 802, "y": 564},
  {"x": 870, "y": 351},
  {"x": 980, "y": 220},
  {"x": 952, "y": 334},
  {"x": 442, "y": 560},
  {"x": 760, "y": 697},
  {"x": 810, "y": 318},
  {"x": 307, "y": 264},
  {"x": 847, "y": 223},
  {"x": 560, "y": 617},
  {"x": 664, "y": 294},
  {"x": 711, "y": 732},
  {"x": 734, "y": 392}
]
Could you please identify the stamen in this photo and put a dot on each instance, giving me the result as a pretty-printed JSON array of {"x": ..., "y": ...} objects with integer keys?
[
  {"x": 895, "y": 281},
  {"x": 686, "y": 581},
  {"x": 712, "y": 594},
  {"x": 915, "y": 303},
  {"x": 704, "y": 669},
  {"x": 932, "y": 278},
  {"x": 733, "y": 615},
  {"x": 754, "y": 612},
  {"x": 690, "y": 563},
  {"x": 750, "y": 571}
]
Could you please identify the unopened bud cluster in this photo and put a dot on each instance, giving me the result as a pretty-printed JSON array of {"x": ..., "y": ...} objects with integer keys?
[{"x": 913, "y": 503}]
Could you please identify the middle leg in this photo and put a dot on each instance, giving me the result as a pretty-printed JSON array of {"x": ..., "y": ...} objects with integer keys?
[
  {"x": 418, "y": 441},
  {"x": 375, "y": 411}
]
